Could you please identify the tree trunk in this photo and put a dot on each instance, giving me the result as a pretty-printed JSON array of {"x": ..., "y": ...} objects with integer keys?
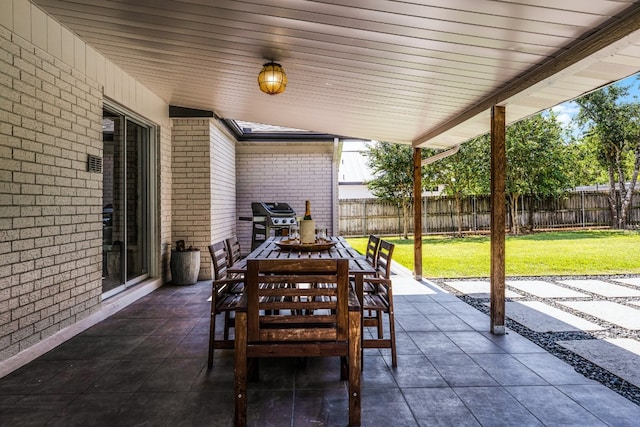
[
  {"x": 530, "y": 212},
  {"x": 621, "y": 191},
  {"x": 459, "y": 214},
  {"x": 628, "y": 195},
  {"x": 405, "y": 219},
  {"x": 513, "y": 204},
  {"x": 612, "y": 198}
]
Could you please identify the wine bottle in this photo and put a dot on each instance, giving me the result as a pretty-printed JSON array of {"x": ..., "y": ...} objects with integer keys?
[{"x": 307, "y": 210}]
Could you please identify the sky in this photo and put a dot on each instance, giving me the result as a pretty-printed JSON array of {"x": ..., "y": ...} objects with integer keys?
[{"x": 568, "y": 110}]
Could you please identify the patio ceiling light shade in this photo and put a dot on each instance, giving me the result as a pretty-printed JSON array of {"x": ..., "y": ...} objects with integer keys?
[{"x": 272, "y": 79}]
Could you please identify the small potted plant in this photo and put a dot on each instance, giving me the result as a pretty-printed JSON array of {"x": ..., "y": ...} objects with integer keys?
[{"x": 185, "y": 264}]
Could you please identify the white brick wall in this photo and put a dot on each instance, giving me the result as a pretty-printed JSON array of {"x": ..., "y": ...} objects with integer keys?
[
  {"x": 165, "y": 202},
  {"x": 191, "y": 192},
  {"x": 289, "y": 173},
  {"x": 203, "y": 202},
  {"x": 222, "y": 184},
  {"x": 50, "y": 227},
  {"x": 51, "y": 95}
]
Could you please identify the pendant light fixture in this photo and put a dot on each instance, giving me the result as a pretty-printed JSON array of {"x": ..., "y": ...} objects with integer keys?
[{"x": 272, "y": 78}]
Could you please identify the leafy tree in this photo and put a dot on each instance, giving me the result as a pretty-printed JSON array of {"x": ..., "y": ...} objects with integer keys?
[
  {"x": 538, "y": 162},
  {"x": 392, "y": 167},
  {"x": 588, "y": 170},
  {"x": 465, "y": 173},
  {"x": 613, "y": 125},
  {"x": 538, "y": 165}
]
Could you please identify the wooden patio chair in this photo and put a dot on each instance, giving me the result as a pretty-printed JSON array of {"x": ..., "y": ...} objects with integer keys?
[
  {"x": 225, "y": 294},
  {"x": 234, "y": 252},
  {"x": 383, "y": 259},
  {"x": 282, "y": 316},
  {"x": 378, "y": 300}
]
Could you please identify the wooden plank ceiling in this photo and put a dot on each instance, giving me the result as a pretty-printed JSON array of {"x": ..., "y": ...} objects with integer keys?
[{"x": 421, "y": 72}]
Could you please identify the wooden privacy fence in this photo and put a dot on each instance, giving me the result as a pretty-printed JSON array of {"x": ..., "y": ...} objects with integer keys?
[{"x": 360, "y": 217}]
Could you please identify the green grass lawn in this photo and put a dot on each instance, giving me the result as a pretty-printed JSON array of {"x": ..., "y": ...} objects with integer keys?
[{"x": 539, "y": 254}]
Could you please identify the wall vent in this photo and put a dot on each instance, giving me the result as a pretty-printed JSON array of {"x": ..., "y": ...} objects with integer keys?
[{"x": 94, "y": 164}]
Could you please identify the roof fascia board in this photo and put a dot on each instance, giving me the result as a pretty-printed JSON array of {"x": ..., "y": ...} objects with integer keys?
[{"x": 275, "y": 136}]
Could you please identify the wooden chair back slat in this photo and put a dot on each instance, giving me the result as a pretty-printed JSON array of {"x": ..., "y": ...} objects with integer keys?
[
  {"x": 371, "y": 254},
  {"x": 296, "y": 319},
  {"x": 383, "y": 263},
  {"x": 219, "y": 258},
  {"x": 234, "y": 252},
  {"x": 298, "y": 335},
  {"x": 269, "y": 289}
]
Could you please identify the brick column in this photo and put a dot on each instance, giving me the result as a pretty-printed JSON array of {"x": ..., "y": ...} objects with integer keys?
[{"x": 191, "y": 198}]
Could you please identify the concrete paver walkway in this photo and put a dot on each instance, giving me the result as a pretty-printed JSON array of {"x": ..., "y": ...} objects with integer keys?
[
  {"x": 633, "y": 281},
  {"x": 609, "y": 311},
  {"x": 619, "y": 356},
  {"x": 605, "y": 314},
  {"x": 477, "y": 288},
  {"x": 543, "y": 289},
  {"x": 541, "y": 317},
  {"x": 600, "y": 287}
]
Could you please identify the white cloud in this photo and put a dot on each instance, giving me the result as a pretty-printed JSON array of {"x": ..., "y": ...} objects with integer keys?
[{"x": 566, "y": 113}]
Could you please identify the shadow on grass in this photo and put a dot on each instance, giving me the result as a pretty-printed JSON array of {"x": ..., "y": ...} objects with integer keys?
[
  {"x": 537, "y": 237},
  {"x": 568, "y": 235}
]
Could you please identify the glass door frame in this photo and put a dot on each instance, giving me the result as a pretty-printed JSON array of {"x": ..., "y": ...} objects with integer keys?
[{"x": 150, "y": 205}]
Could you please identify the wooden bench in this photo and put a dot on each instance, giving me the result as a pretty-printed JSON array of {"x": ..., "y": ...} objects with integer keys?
[{"x": 298, "y": 308}]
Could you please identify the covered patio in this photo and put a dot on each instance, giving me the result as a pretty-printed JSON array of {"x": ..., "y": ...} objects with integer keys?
[
  {"x": 147, "y": 365},
  {"x": 119, "y": 136}
]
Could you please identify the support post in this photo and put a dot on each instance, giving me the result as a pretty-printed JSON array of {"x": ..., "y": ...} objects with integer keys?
[
  {"x": 498, "y": 218},
  {"x": 417, "y": 213}
]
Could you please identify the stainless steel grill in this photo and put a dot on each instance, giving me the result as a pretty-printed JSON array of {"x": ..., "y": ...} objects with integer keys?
[{"x": 270, "y": 219}]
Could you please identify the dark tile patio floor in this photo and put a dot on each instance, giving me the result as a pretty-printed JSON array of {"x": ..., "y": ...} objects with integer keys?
[{"x": 146, "y": 365}]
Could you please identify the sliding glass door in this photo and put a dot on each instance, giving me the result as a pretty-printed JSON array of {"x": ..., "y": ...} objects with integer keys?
[{"x": 127, "y": 195}]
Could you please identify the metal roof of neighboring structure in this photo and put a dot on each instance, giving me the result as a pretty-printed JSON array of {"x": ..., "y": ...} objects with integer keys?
[
  {"x": 416, "y": 72},
  {"x": 353, "y": 168}
]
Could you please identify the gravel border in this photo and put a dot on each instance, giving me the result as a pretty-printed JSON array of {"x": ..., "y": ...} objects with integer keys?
[{"x": 548, "y": 340}]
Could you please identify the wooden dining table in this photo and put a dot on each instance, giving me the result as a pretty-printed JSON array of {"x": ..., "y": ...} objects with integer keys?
[
  {"x": 334, "y": 248},
  {"x": 359, "y": 267}
]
